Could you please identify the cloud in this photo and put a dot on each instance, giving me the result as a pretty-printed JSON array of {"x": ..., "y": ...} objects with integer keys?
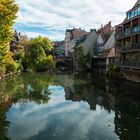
[
  {"x": 29, "y": 120},
  {"x": 52, "y": 17}
]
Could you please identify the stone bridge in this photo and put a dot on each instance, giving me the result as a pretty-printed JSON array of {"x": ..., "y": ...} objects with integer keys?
[{"x": 64, "y": 64}]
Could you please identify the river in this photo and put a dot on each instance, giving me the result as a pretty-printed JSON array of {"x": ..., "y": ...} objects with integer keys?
[{"x": 67, "y": 107}]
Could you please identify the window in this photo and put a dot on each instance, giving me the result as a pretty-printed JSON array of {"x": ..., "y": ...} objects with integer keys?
[
  {"x": 135, "y": 29},
  {"x": 139, "y": 11},
  {"x": 129, "y": 15},
  {"x": 133, "y": 13},
  {"x": 136, "y": 12},
  {"x": 126, "y": 31}
]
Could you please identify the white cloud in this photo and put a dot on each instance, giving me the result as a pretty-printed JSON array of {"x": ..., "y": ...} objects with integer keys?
[{"x": 62, "y": 14}]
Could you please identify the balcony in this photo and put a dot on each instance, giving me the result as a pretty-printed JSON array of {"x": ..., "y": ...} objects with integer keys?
[
  {"x": 130, "y": 48},
  {"x": 129, "y": 65},
  {"x": 127, "y": 33}
]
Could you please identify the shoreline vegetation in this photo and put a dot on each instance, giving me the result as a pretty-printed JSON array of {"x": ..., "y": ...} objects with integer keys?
[
  {"x": 8, "y": 13},
  {"x": 18, "y": 52}
]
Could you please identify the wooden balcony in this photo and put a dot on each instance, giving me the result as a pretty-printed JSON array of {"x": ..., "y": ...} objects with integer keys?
[
  {"x": 129, "y": 65},
  {"x": 129, "y": 33},
  {"x": 130, "y": 48}
]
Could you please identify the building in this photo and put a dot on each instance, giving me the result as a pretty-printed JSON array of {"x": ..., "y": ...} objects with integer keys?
[
  {"x": 17, "y": 42},
  {"x": 128, "y": 44},
  {"x": 105, "y": 31},
  {"x": 105, "y": 49},
  {"x": 73, "y": 34},
  {"x": 59, "y": 49},
  {"x": 99, "y": 45},
  {"x": 88, "y": 43},
  {"x": 84, "y": 51},
  {"x": 14, "y": 44}
]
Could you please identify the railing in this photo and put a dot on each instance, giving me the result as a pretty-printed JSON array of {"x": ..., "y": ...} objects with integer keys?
[
  {"x": 129, "y": 64},
  {"x": 130, "y": 32},
  {"x": 130, "y": 47}
]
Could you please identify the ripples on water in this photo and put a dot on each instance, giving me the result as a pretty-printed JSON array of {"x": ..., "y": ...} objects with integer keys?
[{"x": 67, "y": 107}]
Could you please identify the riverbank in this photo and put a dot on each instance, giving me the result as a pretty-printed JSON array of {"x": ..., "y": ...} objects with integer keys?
[
  {"x": 117, "y": 74},
  {"x": 9, "y": 75}
]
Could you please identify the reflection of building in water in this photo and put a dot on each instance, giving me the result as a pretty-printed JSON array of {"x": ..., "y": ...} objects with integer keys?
[
  {"x": 127, "y": 118},
  {"x": 93, "y": 96},
  {"x": 127, "y": 110}
]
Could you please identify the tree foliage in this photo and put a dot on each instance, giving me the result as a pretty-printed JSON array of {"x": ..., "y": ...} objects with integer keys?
[
  {"x": 80, "y": 58},
  {"x": 8, "y": 10},
  {"x": 37, "y": 54},
  {"x": 44, "y": 42},
  {"x": 83, "y": 61}
]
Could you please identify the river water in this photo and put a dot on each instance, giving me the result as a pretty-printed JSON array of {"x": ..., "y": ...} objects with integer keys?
[{"x": 68, "y": 107}]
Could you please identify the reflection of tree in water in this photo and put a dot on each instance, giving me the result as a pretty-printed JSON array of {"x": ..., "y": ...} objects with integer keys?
[
  {"x": 5, "y": 103},
  {"x": 16, "y": 90}
]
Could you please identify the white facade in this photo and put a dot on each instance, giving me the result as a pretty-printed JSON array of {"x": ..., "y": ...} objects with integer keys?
[
  {"x": 89, "y": 43},
  {"x": 72, "y": 45},
  {"x": 99, "y": 44},
  {"x": 110, "y": 42}
]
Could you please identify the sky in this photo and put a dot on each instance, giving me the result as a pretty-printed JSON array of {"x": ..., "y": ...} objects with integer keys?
[{"x": 51, "y": 18}]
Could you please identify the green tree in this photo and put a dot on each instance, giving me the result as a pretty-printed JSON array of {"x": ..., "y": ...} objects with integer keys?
[
  {"x": 37, "y": 56},
  {"x": 44, "y": 42},
  {"x": 80, "y": 58},
  {"x": 8, "y": 10}
]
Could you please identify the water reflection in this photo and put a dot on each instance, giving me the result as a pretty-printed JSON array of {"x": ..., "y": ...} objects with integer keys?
[
  {"x": 4, "y": 124},
  {"x": 81, "y": 91},
  {"x": 38, "y": 106},
  {"x": 127, "y": 118}
]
